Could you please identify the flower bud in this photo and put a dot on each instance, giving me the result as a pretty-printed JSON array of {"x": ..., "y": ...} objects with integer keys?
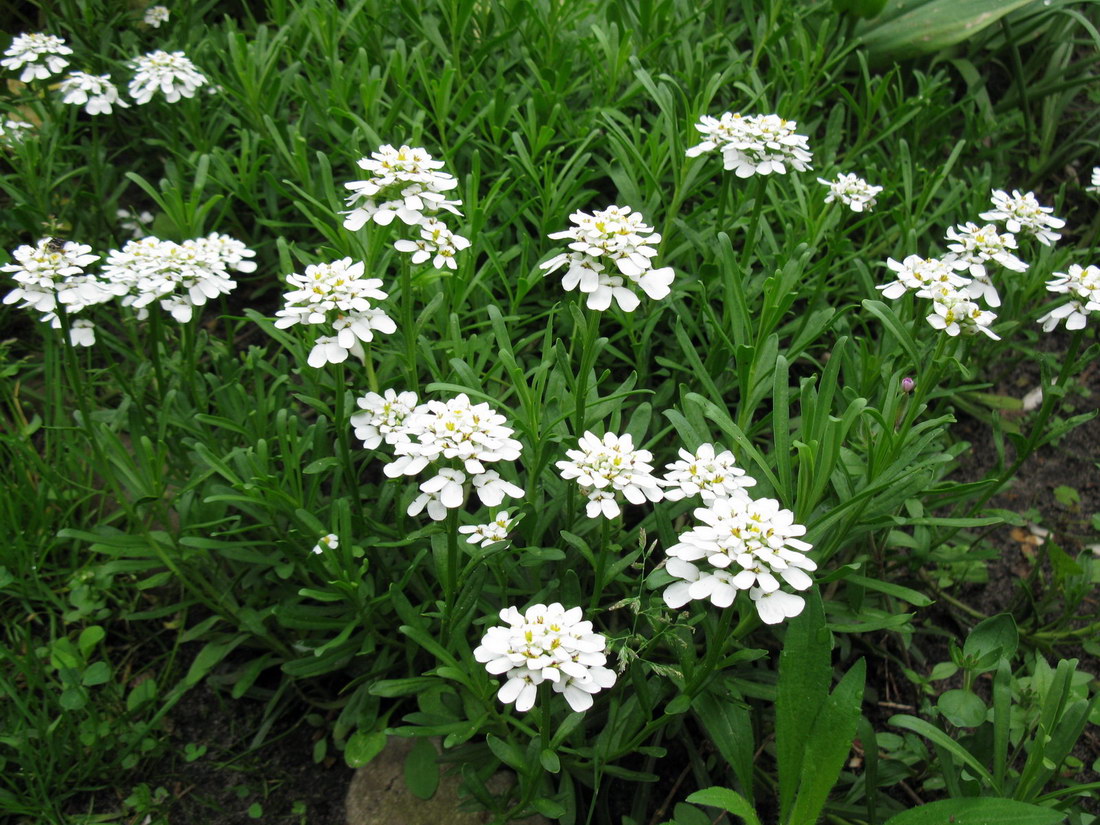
[{"x": 907, "y": 384}]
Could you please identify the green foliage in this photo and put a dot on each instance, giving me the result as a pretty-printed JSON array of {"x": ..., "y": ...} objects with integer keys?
[{"x": 165, "y": 488}]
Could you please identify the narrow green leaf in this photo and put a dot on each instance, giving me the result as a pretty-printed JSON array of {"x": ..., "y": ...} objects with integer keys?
[
  {"x": 978, "y": 811},
  {"x": 727, "y": 800}
]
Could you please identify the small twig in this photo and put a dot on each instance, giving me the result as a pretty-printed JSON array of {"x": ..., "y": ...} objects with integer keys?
[
  {"x": 898, "y": 705},
  {"x": 912, "y": 794},
  {"x": 659, "y": 814}
]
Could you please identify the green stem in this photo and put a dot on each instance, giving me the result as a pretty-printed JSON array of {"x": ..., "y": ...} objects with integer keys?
[
  {"x": 747, "y": 250},
  {"x": 408, "y": 327},
  {"x": 450, "y": 581},
  {"x": 601, "y": 552}
]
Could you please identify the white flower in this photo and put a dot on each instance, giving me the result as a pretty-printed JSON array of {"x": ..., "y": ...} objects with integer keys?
[
  {"x": 953, "y": 312},
  {"x": 1022, "y": 213},
  {"x": 705, "y": 474},
  {"x": 178, "y": 276},
  {"x": 743, "y": 544},
  {"x": 1083, "y": 283},
  {"x": 406, "y": 183},
  {"x": 82, "y": 333},
  {"x": 155, "y": 15},
  {"x": 754, "y": 145},
  {"x": 327, "y": 349},
  {"x": 39, "y": 55},
  {"x": 383, "y": 417},
  {"x": 546, "y": 643},
  {"x": 52, "y": 273},
  {"x": 329, "y": 542},
  {"x": 436, "y": 242},
  {"x": 1094, "y": 188},
  {"x": 922, "y": 275},
  {"x": 613, "y": 236},
  {"x": 14, "y": 131},
  {"x": 852, "y": 191},
  {"x": 604, "y": 467},
  {"x": 134, "y": 222},
  {"x": 486, "y": 534},
  {"x": 492, "y": 489},
  {"x": 173, "y": 75},
  {"x": 1075, "y": 314},
  {"x": 466, "y": 435},
  {"x": 95, "y": 92},
  {"x": 973, "y": 245},
  {"x": 336, "y": 294}
]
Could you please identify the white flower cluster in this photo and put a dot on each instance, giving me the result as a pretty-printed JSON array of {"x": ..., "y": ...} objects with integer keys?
[
  {"x": 608, "y": 466},
  {"x": 754, "y": 145},
  {"x": 38, "y": 55},
  {"x": 851, "y": 190},
  {"x": 1022, "y": 213},
  {"x": 546, "y": 643},
  {"x": 486, "y": 534},
  {"x": 612, "y": 236},
  {"x": 743, "y": 544},
  {"x": 458, "y": 437},
  {"x": 1083, "y": 284},
  {"x": 337, "y": 295},
  {"x": 14, "y": 131},
  {"x": 155, "y": 16},
  {"x": 406, "y": 183},
  {"x": 171, "y": 74},
  {"x": 705, "y": 474},
  {"x": 178, "y": 276},
  {"x": 970, "y": 248},
  {"x": 1094, "y": 184},
  {"x": 51, "y": 273},
  {"x": 95, "y": 93}
]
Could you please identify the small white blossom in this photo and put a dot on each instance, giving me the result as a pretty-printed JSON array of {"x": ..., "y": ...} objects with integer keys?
[
  {"x": 743, "y": 544},
  {"x": 1094, "y": 186},
  {"x": 546, "y": 643},
  {"x": 14, "y": 131},
  {"x": 1022, "y": 213},
  {"x": 486, "y": 534},
  {"x": 82, "y": 333},
  {"x": 134, "y": 222},
  {"x": 851, "y": 190},
  {"x": 705, "y": 474},
  {"x": 922, "y": 275},
  {"x": 612, "y": 236},
  {"x": 383, "y": 417},
  {"x": 1083, "y": 284},
  {"x": 95, "y": 93},
  {"x": 329, "y": 542},
  {"x": 38, "y": 55},
  {"x": 754, "y": 145},
  {"x": 155, "y": 16},
  {"x": 52, "y": 273},
  {"x": 406, "y": 183},
  {"x": 455, "y": 437},
  {"x": 337, "y": 295},
  {"x": 173, "y": 75},
  {"x": 179, "y": 277},
  {"x": 604, "y": 467},
  {"x": 954, "y": 312}
]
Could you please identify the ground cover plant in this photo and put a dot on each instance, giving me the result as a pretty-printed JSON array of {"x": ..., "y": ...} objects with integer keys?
[{"x": 578, "y": 385}]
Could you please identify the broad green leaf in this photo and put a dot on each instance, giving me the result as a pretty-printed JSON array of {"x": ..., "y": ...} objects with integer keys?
[
  {"x": 422, "y": 769},
  {"x": 829, "y": 741},
  {"x": 962, "y": 708},
  {"x": 934, "y": 26},
  {"x": 996, "y": 635},
  {"x": 727, "y": 800},
  {"x": 804, "y": 675},
  {"x": 979, "y": 811},
  {"x": 362, "y": 747}
]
